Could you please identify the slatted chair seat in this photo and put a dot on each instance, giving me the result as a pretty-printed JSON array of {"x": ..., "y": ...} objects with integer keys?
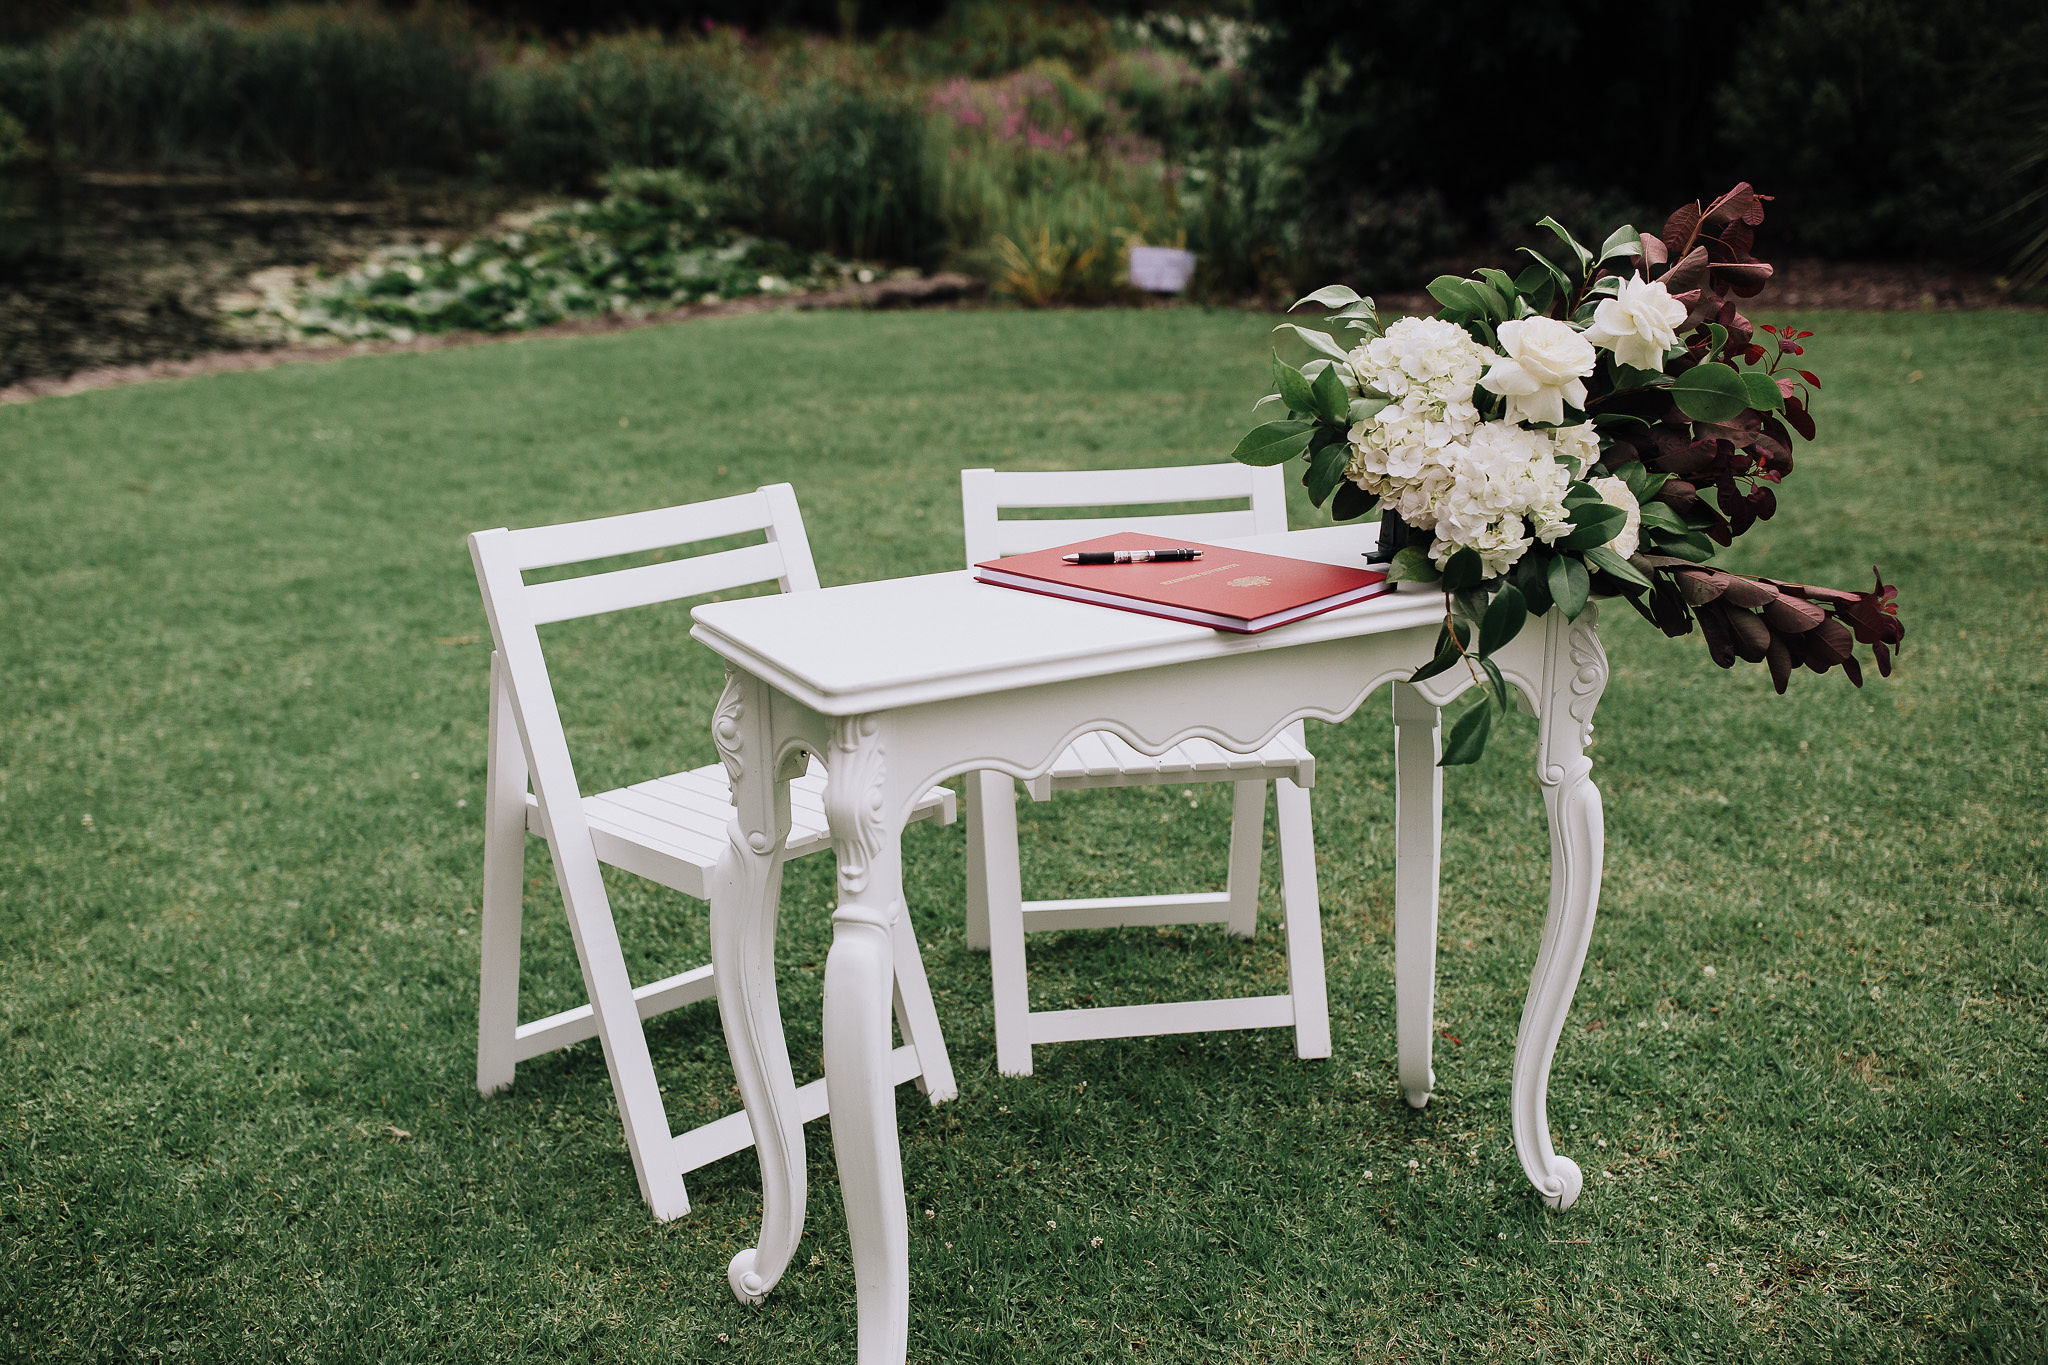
[
  {"x": 673, "y": 830},
  {"x": 998, "y": 916}
]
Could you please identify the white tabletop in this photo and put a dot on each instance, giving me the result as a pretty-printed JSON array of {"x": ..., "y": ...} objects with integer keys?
[{"x": 874, "y": 646}]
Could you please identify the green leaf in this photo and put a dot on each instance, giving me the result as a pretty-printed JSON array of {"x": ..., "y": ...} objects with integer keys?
[
  {"x": 1500, "y": 684},
  {"x": 1614, "y": 566},
  {"x": 1467, "y": 740},
  {"x": 1579, "y": 253},
  {"x": 1570, "y": 585},
  {"x": 1717, "y": 337},
  {"x": 1763, "y": 391},
  {"x": 1330, "y": 296},
  {"x": 1332, "y": 399},
  {"x": 1664, "y": 517},
  {"x": 1269, "y": 398},
  {"x": 1535, "y": 586},
  {"x": 1711, "y": 392},
  {"x": 1447, "y": 654},
  {"x": 1412, "y": 564},
  {"x": 1368, "y": 406},
  {"x": 1364, "y": 308},
  {"x": 1352, "y": 502},
  {"x": 1503, "y": 619},
  {"x": 1692, "y": 545},
  {"x": 1457, "y": 294},
  {"x": 1463, "y": 570},
  {"x": 1318, "y": 341},
  {"x": 1326, "y": 471},
  {"x": 1538, "y": 285},
  {"x": 1274, "y": 443},
  {"x": 1502, "y": 283},
  {"x": 1623, "y": 241},
  {"x": 1293, "y": 386},
  {"x": 1579, "y": 493},
  {"x": 1642, "y": 480},
  {"x": 1592, "y": 526},
  {"x": 1471, "y": 604}
]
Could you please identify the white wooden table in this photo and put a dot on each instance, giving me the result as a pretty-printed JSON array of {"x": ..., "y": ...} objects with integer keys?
[{"x": 898, "y": 684}]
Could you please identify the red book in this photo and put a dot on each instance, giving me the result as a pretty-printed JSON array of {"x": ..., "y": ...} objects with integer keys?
[{"x": 1234, "y": 590}]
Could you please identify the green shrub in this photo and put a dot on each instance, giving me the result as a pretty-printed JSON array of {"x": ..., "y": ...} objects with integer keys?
[
  {"x": 1244, "y": 221},
  {"x": 343, "y": 93},
  {"x": 655, "y": 241},
  {"x": 628, "y": 101},
  {"x": 824, "y": 163}
]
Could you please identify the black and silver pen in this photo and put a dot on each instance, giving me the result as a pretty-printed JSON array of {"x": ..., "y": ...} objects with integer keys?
[{"x": 1131, "y": 556}]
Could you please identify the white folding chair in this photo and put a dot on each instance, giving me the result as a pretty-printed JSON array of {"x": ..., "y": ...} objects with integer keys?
[
  {"x": 671, "y": 830},
  {"x": 998, "y": 916}
]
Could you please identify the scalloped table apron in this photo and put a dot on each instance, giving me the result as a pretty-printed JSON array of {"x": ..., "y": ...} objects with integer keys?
[{"x": 898, "y": 684}]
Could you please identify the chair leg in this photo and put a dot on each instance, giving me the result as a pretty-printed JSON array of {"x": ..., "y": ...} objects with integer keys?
[
  {"x": 1247, "y": 853},
  {"x": 1418, "y": 839},
  {"x": 1003, "y": 896},
  {"x": 1300, "y": 900},
  {"x": 504, "y": 872},
  {"x": 991, "y": 853},
  {"x": 918, "y": 1017}
]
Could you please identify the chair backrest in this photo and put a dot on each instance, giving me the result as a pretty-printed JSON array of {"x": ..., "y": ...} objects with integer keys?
[
  {"x": 517, "y": 609},
  {"x": 986, "y": 493}
]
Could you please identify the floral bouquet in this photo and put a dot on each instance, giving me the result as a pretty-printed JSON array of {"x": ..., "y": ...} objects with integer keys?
[{"x": 1554, "y": 434}]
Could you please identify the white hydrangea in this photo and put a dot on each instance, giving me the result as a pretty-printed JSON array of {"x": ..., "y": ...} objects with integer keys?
[
  {"x": 1423, "y": 358},
  {"x": 1495, "y": 487}
]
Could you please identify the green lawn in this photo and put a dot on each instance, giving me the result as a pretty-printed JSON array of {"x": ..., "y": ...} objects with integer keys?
[{"x": 242, "y": 685}]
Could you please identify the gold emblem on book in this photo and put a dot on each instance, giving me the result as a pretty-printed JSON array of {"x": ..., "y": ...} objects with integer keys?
[{"x": 1250, "y": 580}]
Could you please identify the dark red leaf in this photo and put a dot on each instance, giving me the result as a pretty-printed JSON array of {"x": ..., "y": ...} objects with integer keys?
[
  {"x": 1780, "y": 660},
  {"x": 1796, "y": 414},
  {"x": 1690, "y": 273},
  {"x": 1810, "y": 377},
  {"x": 1752, "y": 638},
  {"x": 1679, "y": 230}
]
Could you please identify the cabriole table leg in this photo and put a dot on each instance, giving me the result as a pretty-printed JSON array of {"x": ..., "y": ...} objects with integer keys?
[
  {"x": 1575, "y": 674},
  {"x": 746, "y": 892},
  {"x": 859, "y": 975}
]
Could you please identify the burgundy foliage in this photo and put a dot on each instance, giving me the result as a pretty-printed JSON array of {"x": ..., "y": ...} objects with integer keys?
[{"x": 1705, "y": 258}]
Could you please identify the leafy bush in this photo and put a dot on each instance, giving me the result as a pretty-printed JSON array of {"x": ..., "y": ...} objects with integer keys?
[
  {"x": 1244, "y": 215},
  {"x": 825, "y": 163},
  {"x": 629, "y": 101},
  {"x": 348, "y": 94},
  {"x": 1043, "y": 183},
  {"x": 653, "y": 243},
  {"x": 1881, "y": 123}
]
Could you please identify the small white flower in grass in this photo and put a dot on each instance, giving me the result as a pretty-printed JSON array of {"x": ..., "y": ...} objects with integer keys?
[
  {"x": 1095, "y": 1241},
  {"x": 1638, "y": 324},
  {"x": 1050, "y": 1224},
  {"x": 1368, "y": 1175},
  {"x": 1413, "y": 1164},
  {"x": 1615, "y": 493},
  {"x": 1545, "y": 368},
  {"x": 1708, "y": 971}
]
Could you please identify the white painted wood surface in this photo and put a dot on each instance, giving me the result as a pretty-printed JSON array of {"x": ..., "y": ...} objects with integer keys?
[
  {"x": 898, "y": 684},
  {"x": 674, "y": 830},
  {"x": 1105, "y": 759}
]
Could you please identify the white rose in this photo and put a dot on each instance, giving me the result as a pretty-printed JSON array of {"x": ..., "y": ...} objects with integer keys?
[
  {"x": 1615, "y": 493},
  {"x": 1638, "y": 324},
  {"x": 1547, "y": 362}
]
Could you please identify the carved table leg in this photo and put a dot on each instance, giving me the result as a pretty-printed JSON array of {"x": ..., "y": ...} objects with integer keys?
[
  {"x": 745, "y": 897},
  {"x": 859, "y": 974},
  {"x": 1418, "y": 843},
  {"x": 1574, "y": 675}
]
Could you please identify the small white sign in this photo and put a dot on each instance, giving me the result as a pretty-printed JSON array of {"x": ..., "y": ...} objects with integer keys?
[{"x": 1161, "y": 269}]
